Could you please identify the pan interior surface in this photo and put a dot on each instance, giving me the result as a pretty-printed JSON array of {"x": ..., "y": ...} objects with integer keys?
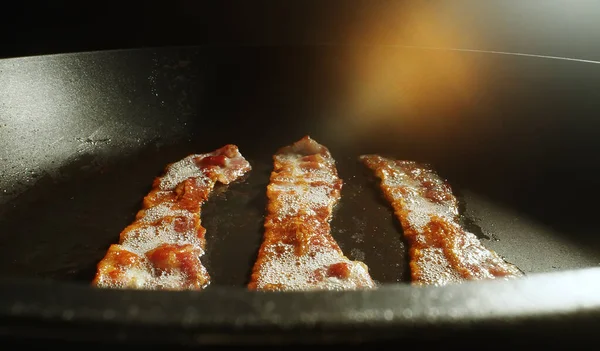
[{"x": 82, "y": 136}]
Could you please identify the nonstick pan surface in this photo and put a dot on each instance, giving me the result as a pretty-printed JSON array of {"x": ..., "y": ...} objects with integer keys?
[{"x": 83, "y": 135}]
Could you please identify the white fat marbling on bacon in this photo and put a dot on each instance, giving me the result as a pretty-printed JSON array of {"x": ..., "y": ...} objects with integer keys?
[
  {"x": 148, "y": 237},
  {"x": 162, "y": 211},
  {"x": 156, "y": 226},
  {"x": 181, "y": 170},
  {"x": 420, "y": 209},
  {"x": 144, "y": 277},
  {"x": 304, "y": 188},
  {"x": 294, "y": 198},
  {"x": 309, "y": 271},
  {"x": 436, "y": 268},
  {"x": 441, "y": 250}
]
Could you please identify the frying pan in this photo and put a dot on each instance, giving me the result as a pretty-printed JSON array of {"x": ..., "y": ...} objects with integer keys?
[{"x": 83, "y": 135}]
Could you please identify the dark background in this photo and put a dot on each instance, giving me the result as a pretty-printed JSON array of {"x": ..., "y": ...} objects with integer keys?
[{"x": 560, "y": 28}]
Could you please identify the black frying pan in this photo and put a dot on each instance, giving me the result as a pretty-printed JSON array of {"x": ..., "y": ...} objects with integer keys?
[{"x": 83, "y": 135}]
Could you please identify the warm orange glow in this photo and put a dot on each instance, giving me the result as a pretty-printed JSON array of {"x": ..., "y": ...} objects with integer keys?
[{"x": 400, "y": 86}]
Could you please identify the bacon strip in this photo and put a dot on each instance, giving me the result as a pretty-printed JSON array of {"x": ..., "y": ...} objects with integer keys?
[
  {"x": 298, "y": 251},
  {"x": 441, "y": 252},
  {"x": 161, "y": 249}
]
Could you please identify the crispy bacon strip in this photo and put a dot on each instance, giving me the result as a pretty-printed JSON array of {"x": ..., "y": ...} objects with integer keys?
[
  {"x": 298, "y": 251},
  {"x": 441, "y": 251},
  {"x": 161, "y": 249}
]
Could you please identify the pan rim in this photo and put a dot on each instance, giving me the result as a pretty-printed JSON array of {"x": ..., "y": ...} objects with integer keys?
[
  {"x": 462, "y": 50},
  {"x": 557, "y": 297}
]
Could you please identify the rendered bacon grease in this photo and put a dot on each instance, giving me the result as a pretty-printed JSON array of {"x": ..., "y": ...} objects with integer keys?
[
  {"x": 161, "y": 249},
  {"x": 298, "y": 252},
  {"x": 441, "y": 252}
]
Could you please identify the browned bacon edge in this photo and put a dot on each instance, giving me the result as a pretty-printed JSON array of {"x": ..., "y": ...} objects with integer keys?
[
  {"x": 161, "y": 249},
  {"x": 441, "y": 252},
  {"x": 298, "y": 252}
]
